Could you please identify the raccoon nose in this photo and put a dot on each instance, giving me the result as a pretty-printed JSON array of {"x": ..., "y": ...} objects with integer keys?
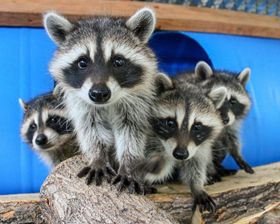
[
  {"x": 41, "y": 139},
  {"x": 99, "y": 93},
  {"x": 181, "y": 153}
]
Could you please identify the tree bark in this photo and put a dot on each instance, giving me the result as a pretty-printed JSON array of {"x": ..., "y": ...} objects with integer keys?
[
  {"x": 240, "y": 199},
  {"x": 22, "y": 208},
  {"x": 72, "y": 201},
  {"x": 236, "y": 196}
]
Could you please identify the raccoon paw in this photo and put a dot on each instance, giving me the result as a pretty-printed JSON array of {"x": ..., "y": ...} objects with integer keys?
[
  {"x": 133, "y": 186},
  {"x": 97, "y": 174},
  {"x": 223, "y": 172},
  {"x": 205, "y": 203},
  {"x": 247, "y": 168}
]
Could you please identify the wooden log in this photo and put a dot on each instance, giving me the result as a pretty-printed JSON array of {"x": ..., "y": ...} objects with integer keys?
[
  {"x": 70, "y": 200},
  {"x": 169, "y": 16},
  {"x": 236, "y": 196},
  {"x": 23, "y": 208}
]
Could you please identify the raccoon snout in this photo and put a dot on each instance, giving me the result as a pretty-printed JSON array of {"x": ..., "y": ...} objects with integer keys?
[
  {"x": 181, "y": 153},
  {"x": 41, "y": 139},
  {"x": 99, "y": 93}
]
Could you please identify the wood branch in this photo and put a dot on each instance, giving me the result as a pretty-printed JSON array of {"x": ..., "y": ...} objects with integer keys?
[
  {"x": 236, "y": 196},
  {"x": 241, "y": 199},
  {"x": 70, "y": 200},
  {"x": 270, "y": 214},
  {"x": 23, "y": 208},
  {"x": 170, "y": 17}
]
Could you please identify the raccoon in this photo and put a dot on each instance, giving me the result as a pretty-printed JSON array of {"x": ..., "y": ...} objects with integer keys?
[
  {"x": 106, "y": 71},
  {"x": 232, "y": 112},
  {"x": 186, "y": 126},
  {"x": 47, "y": 130}
]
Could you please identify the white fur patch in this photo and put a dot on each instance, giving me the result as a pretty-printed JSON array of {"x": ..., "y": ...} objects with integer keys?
[
  {"x": 207, "y": 119},
  {"x": 180, "y": 115},
  {"x": 231, "y": 118},
  {"x": 192, "y": 149},
  {"x": 169, "y": 145},
  {"x": 165, "y": 172},
  {"x": 107, "y": 48}
]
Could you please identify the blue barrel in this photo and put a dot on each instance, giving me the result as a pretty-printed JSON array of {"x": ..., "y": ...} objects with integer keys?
[
  {"x": 182, "y": 50},
  {"x": 24, "y": 58}
]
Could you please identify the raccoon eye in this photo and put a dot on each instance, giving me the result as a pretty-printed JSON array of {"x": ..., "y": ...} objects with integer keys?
[
  {"x": 233, "y": 101},
  {"x": 197, "y": 126},
  {"x": 170, "y": 123},
  {"x": 83, "y": 62},
  {"x": 54, "y": 120},
  {"x": 118, "y": 61},
  {"x": 33, "y": 126}
]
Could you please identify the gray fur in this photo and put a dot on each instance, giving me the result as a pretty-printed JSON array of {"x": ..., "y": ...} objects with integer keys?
[
  {"x": 228, "y": 142},
  {"x": 122, "y": 122}
]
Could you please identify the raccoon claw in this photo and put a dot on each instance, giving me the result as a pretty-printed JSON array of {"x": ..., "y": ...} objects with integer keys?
[
  {"x": 83, "y": 172},
  {"x": 249, "y": 169},
  {"x": 97, "y": 175},
  {"x": 120, "y": 181},
  {"x": 134, "y": 187},
  {"x": 205, "y": 203},
  {"x": 246, "y": 167},
  {"x": 223, "y": 172}
]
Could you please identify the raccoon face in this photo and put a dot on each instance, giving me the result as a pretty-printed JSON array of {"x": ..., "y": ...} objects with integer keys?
[
  {"x": 237, "y": 104},
  {"x": 187, "y": 121},
  {"x": 103, "y": 59},
  {"x": 45, "y": 129}
]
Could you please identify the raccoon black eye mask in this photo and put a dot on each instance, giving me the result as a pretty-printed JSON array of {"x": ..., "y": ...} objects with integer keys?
[
  {"x": 60, "y": 124},
  {"x": 166, "y": 128},
  {"x": 200, "y": 132},
  {"x": 236, "y": 107}
]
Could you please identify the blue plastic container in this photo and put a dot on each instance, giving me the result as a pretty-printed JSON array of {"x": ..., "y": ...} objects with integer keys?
[
  {"x": 24, "y": 58},
  {"x": 24, "y": 73},
  {"x": 181, "y": 50}
]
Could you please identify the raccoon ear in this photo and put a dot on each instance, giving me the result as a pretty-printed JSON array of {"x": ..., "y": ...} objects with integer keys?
[
  {"x": 142, "y": 23},
  {"x": 218, "y": 96},
  {"x": 244, "y": 76},
  {"x": 163, "y": 83},
  {"x": 57, "y": 27},
  {"x": 22, "y": 104},
  {"x": 203, "y": 70}
]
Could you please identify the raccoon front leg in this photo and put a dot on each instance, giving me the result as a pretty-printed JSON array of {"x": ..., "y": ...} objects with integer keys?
[
  {"x": 234, "y": 150},
  {"x": 194, "y": 173},
  {"x": 96, "y": 142},
  {"x": 213, "y": 175},
  {"x": 130, "y": 146}
]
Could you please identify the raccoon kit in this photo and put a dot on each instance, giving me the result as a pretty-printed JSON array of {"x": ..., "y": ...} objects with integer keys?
[
  {"x": 186, "y": 126},
  {"x": 106, "y": 72},
  {"x": 232, "y": 112},
  {"x": 47, "y": 130}
]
